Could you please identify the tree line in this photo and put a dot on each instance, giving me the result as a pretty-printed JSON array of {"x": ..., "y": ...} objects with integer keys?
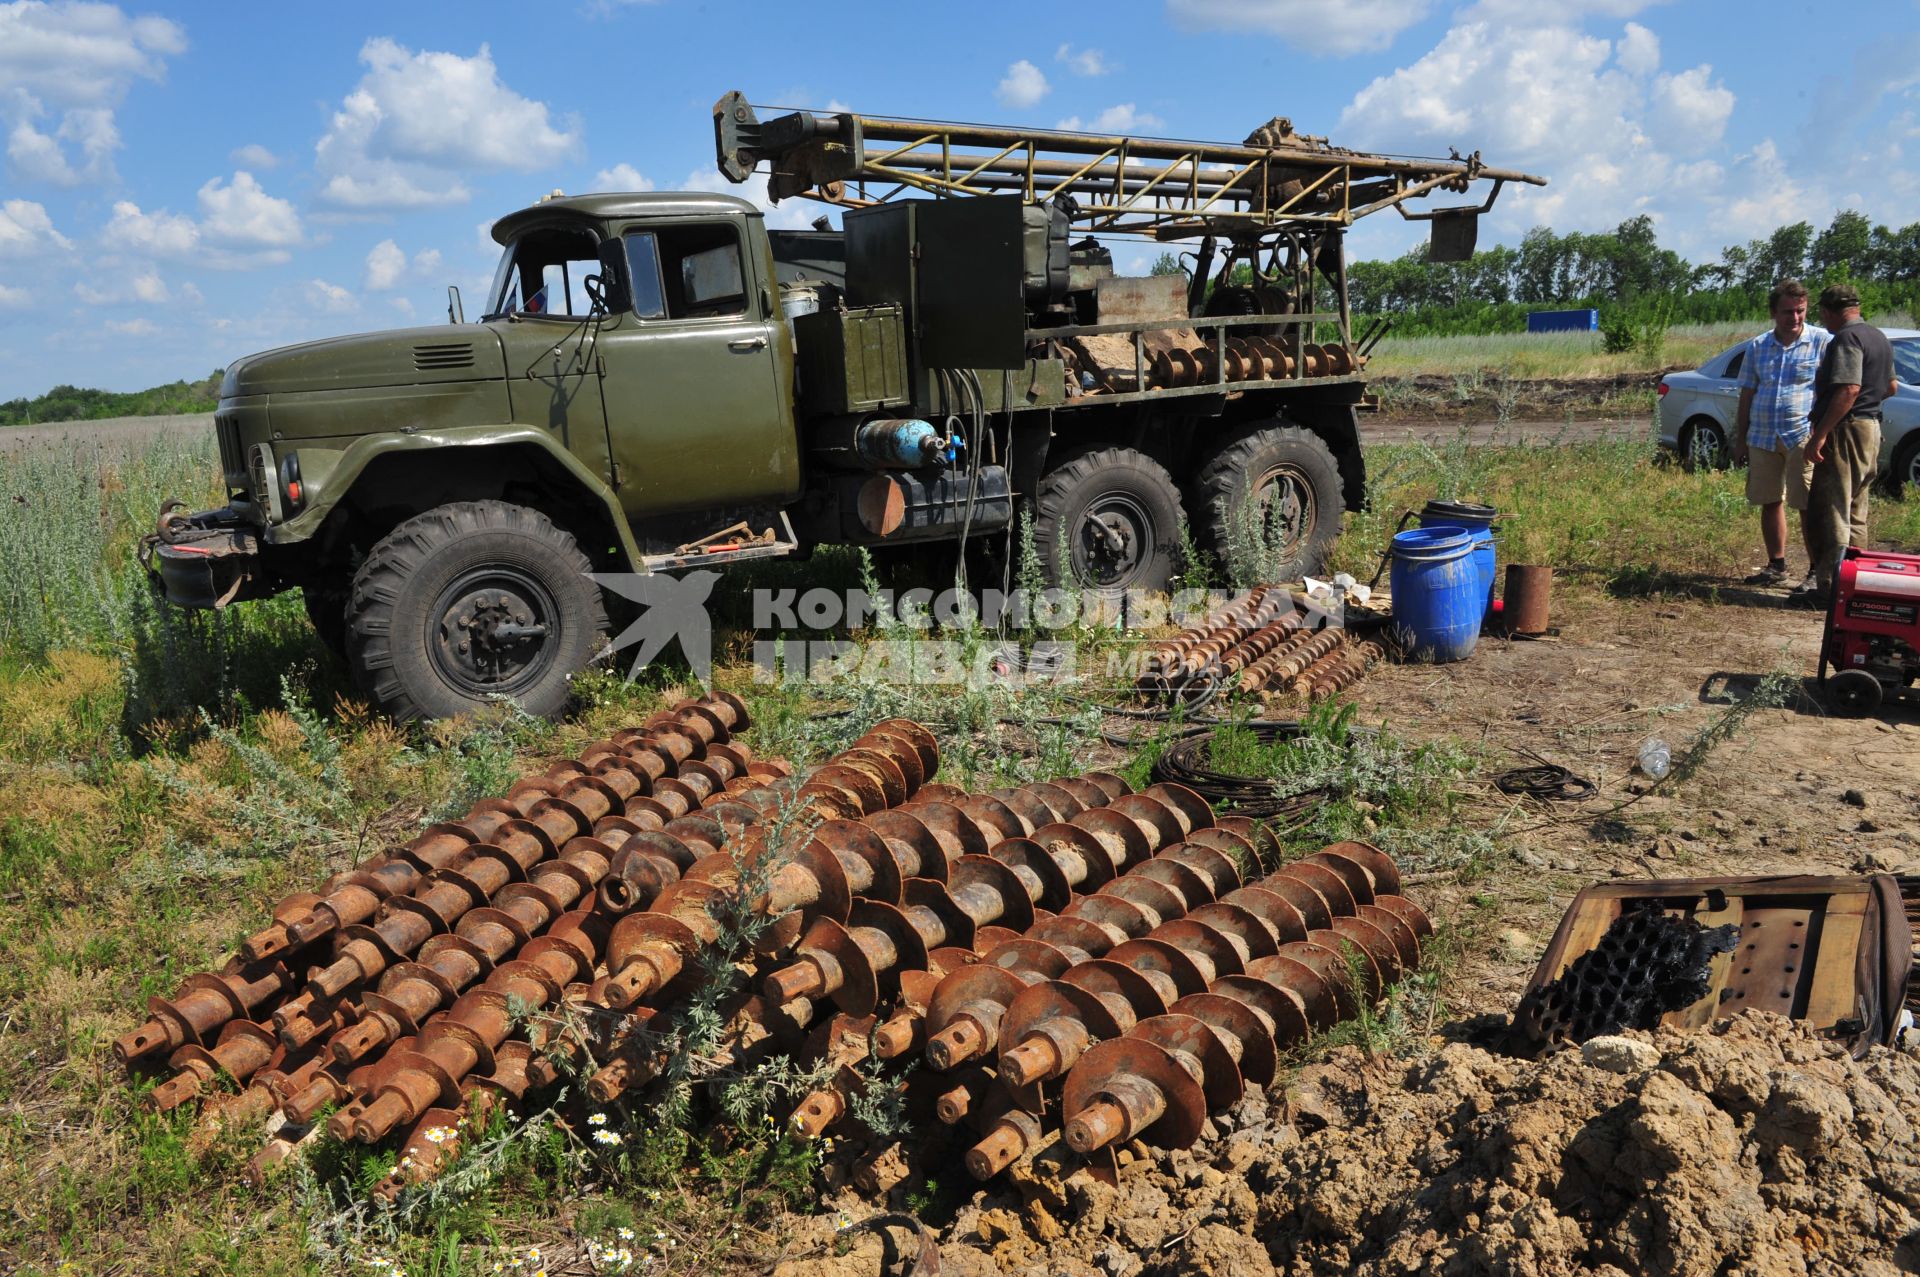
[
  {"x": 1625, "y": 272},
  {"x": 75, "y": 403}
]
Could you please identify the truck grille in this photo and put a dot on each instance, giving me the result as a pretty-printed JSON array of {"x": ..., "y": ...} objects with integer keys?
[
  {"x": 227, "y": 431},
  {"x": 432, "y": 358}
]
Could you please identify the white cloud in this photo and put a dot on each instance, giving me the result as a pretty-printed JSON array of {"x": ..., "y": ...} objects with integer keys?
[
  {"x": 254, "y": 155},
  {"x": 1639, "y": 51},
  {"x": 388, "y": 266},
  {"x": 240, "y": 226},
  {"x": 156, "y": 234},
  {"x": 621, "y": 177},
  {"x": 1690, "y": 112},
  {"x": 145, "y": 287},
  {"x": 1614, "y": 134},
  {"x": 14, "y": 298},
  {"x": 133, "y": 327},
  {"x": 386, "y": 263},
  {"x": 241, "y": 213},
  {"x": 416, "y": 121},
  {"x": 329, "y": 297},
  {"x": 71, "y": 65},
  {"x": 402, "y": 304},
  {"x": 1084, "y": 61},
  {"x": 26, "y": 229},
  {"x": 1115, "y": 119},
  {"x": 1353, "y": 26},
  {"x": 789, "y": 215},
  {"x": 1023, "y": 85}
]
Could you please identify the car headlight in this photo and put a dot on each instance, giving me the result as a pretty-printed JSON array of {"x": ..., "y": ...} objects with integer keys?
[
  {"x": 290, "y": 486},
  {"x": 262, "y": 481}
]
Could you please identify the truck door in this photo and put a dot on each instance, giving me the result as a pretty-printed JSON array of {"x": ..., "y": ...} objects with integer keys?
[{"x": 697, "y": 374}]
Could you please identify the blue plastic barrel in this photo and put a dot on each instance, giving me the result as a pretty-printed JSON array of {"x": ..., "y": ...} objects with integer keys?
[
  {"x": 1477, "y": 522},
  {"x": 1437, "y": 602}
]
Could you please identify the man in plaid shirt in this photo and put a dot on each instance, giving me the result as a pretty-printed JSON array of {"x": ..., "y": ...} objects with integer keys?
[{"x": 1776, "y": 399}]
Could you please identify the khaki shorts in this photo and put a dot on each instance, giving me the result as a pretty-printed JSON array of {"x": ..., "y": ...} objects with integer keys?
[{"x": 1773, "y": 475}]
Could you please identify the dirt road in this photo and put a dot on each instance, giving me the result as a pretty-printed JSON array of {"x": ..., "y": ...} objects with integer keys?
[{"x": 128, "y": 431}]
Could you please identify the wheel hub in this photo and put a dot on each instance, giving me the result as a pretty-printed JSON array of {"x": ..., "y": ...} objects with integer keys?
[
  {"x": 1283, "y": 509},
  {"x": 492, "y": 630},
  {"x": 1113, "y": 533}
]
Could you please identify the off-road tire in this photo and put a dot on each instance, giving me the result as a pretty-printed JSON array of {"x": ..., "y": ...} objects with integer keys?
[
  {"x": 1225, "y": 487},
  {"x": 1130, "y": 487},
  {"x": 327, "y": 610},
  {"x": 408, "y": 586}
]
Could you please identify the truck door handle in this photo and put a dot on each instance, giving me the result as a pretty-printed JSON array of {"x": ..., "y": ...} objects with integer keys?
[{"x": 746, "y": 345}]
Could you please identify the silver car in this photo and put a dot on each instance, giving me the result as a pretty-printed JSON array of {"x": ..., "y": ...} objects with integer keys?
[{"x": 1698, "y": 410}]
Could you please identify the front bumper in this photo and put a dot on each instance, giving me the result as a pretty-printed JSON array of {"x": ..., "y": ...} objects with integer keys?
[{"x": 204, "y": 560}]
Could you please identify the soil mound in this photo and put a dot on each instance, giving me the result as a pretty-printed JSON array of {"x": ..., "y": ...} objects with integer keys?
[{"x": 1753, "y": 1148}]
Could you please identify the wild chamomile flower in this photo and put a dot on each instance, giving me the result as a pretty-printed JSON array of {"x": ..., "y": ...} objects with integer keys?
[
  {"x": 598, "y": 1119},
  {"x": 609, "y": 1138},
  {"x": 626, "y": 1234},
  {"x": 438, "y": 1134}
]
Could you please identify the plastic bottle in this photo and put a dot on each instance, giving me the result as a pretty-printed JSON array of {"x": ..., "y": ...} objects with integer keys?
[{"x": 1655, "y": 758}]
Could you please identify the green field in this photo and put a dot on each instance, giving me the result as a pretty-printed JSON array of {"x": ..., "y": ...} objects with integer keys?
[{"x": 164, "y": 779}]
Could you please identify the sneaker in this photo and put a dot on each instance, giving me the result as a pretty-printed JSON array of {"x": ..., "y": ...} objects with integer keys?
[
  {"x": 1772, "y": 574},
  {"x": 1809, "y": 593}
]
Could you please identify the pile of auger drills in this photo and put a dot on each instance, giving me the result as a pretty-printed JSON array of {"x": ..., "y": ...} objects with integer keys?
[
  {"x": 1064, "y": 952},
  {"x": 1259, "y": 642}
]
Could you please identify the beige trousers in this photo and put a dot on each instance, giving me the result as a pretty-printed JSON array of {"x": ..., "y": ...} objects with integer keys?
[{"x": 1836, "y": 511}]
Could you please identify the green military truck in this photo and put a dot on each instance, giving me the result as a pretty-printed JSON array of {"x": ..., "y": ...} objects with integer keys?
[{"x": 659, "y": 381}]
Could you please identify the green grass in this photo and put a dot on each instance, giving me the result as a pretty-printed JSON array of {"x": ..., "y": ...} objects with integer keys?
[
  {"x": 140, "y": 839},
  {"x": 1526, "y": 356}
]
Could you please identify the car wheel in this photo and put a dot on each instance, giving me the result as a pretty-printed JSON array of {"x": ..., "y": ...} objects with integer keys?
[
  {"x": 1704, "y": 445},
  {"x": 1905, "y": 471},
  {"x": 468, "y": 603}
]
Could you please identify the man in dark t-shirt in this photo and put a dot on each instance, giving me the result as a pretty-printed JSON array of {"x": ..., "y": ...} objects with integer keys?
[{"x": 1855, "y": 378}]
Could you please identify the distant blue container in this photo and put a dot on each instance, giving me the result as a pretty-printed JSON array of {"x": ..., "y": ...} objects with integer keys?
[
  {"x": 1563, "y": 321},
  {"x": 1437, "y": 601}
]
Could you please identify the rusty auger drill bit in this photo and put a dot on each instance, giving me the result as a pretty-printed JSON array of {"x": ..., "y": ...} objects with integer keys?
[
  {"x": 406, "y": 922},
  {"x": 1292, "y": 655},
  {"x": 849, "y": 1041},
  {"x": 485, "y": 937},
  {"x": 1159, "y": 1081},
  {"x": 692, "y": 731},
  {"x": 1177, "y": 660},
  {"x": 205, "y": 1004},
  {"x": 855, "y": 965},
  {"x": 1338, "y": 670},
  {"x": 968, "y": 1009},
  {"x": 1255, "y": 946},
  {"x": 465, "y": 1039}
]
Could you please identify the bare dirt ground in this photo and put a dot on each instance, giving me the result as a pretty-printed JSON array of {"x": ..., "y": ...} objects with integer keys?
[
  {"x": 1772, "y": 800},
  {"x": 1753, "y": 1148}
]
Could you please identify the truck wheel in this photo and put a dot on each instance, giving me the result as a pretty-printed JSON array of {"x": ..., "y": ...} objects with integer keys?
[
  {"x": 1269, "y": 504},
  {"x": 471, "y": 601},
  {"x": 327, "y": 609},
  {"x": 1108, "y": 519}
]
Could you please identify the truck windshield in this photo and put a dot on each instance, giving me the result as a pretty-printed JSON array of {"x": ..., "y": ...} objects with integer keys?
[{"x": 545, "y": 272}]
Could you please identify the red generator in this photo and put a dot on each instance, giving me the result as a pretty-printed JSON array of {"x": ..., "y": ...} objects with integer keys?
[{"x": 1872, "y": 639}]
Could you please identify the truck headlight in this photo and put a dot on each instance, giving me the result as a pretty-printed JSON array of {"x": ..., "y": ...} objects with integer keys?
[
  {"x": 263, "y": 481},
  {"x": 290, "y": 486}
]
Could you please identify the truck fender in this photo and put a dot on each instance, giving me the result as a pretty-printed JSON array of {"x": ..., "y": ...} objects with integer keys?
[{"x": 334, "y": 483}]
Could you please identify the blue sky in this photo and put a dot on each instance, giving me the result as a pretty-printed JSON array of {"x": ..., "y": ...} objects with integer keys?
[{"x": 187, "y": 183}]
